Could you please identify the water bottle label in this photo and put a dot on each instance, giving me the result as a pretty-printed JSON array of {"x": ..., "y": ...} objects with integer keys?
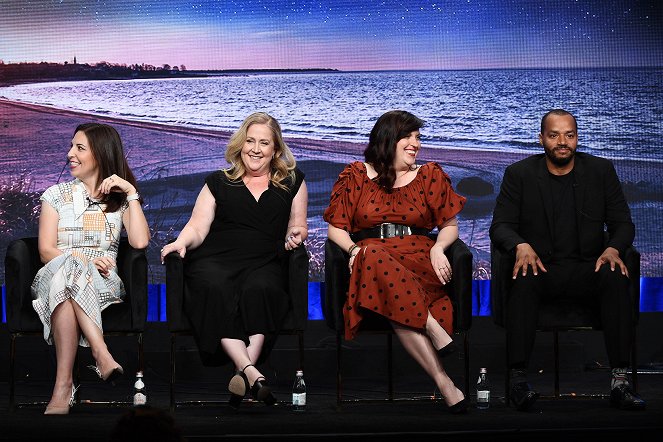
[
  {"x": 483, "y": 395},
  {"x": 140, "y": 399},
  {"x": 299, "y": 399}
]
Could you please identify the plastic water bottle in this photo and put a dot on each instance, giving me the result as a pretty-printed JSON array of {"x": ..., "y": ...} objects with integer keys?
[
  {"x": 483, "y": 390},
  {"x": 299, "y": 392},
  {"x": 140, "y": 396}
]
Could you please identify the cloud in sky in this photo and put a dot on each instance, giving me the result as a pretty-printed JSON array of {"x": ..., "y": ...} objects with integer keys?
[{"x": 341, "y": 34}]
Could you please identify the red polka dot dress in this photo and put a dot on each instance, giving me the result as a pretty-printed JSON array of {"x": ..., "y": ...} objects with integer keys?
[{"x": 394, "y": 277}]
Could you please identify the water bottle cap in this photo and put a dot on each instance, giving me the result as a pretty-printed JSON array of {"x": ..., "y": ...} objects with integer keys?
[
  {"x": 300, "y": 372},
  {"x": 139, "y": 374},
  {"x": 483, "y": 370}
]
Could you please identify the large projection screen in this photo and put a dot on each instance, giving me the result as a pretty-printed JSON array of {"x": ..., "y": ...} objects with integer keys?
[{"x": 176, "y": 78}]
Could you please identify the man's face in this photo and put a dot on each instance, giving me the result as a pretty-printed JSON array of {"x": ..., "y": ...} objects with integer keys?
[{"x": 559, "y": 139}]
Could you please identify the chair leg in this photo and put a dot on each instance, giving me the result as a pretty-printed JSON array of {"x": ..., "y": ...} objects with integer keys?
[
  {"x": 634, "y": 360},
  {"x": 466, "y": 357},
  {"x": 12, "y": 360},
  {"x": 507, "y": 386},
  {"x": 300, "y": 338},
  {"x": 556, "y": 355},
  {"x": 339, "y": 383},
  {"x": 390, "y": 366},
  {"x": 172, "y": 372},
  {"x": 141, "y": 354}
]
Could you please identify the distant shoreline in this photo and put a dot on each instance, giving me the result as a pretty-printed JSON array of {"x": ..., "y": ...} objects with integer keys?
[{"x": 52, "y": 73}]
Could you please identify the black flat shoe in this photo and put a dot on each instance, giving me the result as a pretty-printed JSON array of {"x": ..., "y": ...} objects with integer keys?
[
  {"x": 261, "y": 392},
  {"x": 522, "y": 396},
  {"x": 447, "y": 350},
  {"x": 459, "y": 407}
]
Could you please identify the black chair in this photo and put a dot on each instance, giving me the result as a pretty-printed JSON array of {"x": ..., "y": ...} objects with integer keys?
[
  {"x": 124, "y": 319},
  {"x": 178, "y": 324},
  {"x": 337, "y": 277},
  {"x": 560, "y": 317}
]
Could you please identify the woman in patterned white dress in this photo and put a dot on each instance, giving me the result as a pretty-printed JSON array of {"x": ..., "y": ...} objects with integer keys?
[{"x": 79, "y": 232}]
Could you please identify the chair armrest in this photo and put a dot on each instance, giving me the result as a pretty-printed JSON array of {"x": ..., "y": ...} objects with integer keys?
[
  {"x": 175, "y": 292},
  {"x": 21, "y": 265},
  {"x": 501, "y": 265},
  {"x": 132, "y": 269},
  {"x": 298, "y": 263},
  {"x": 337, "y": 277},
  {"x": 460, "y": 257}
]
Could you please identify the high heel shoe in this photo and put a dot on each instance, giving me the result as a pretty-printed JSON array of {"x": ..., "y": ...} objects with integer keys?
[
  {"x": 54, "y": 409},
  {"x": 262, "y": 392},
  {"x": 238, "y": 386},
  {"x": 448, "y": 349},
  {"x": 459, "y": 407},
  {"x": 110, "y": 376}
]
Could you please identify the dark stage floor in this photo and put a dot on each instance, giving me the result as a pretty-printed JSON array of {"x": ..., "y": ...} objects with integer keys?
[{"x": 552, "y": 419}]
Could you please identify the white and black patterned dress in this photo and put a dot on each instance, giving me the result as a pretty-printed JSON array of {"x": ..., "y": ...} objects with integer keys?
[{"x": 85, "y": 232}]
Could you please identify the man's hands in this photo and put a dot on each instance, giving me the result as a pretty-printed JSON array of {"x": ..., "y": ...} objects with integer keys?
[
  {"x": 611, "y": 256},
  {"x": 526, "y": 257}
]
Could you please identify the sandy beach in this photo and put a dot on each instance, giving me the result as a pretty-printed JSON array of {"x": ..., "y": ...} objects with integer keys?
[
  {"x": 170, "y": 163},
  {"x": 61, "y": 122}
]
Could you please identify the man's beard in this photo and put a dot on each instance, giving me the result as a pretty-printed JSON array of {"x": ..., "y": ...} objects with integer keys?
[{"x": 557, "y": 161}]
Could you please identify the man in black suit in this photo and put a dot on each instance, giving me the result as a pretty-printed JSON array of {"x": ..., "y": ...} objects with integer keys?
[{"x": 551, "y": 213}]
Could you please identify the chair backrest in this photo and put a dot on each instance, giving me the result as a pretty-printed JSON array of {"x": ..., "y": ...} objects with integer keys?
[
  {"x": 22, "y": 262},
  {"x": 21, "y": 265},
  {"x": 296, "y": 319},
  {"x": 337, "y": 277},
  {"x": 564, "y": 315}
]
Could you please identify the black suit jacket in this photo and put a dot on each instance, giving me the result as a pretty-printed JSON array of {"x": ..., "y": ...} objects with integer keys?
[{"x": 523, "y": 210}]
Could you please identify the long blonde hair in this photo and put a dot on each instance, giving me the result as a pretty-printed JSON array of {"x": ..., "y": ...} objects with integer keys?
[{"x": 282, "y": 165}]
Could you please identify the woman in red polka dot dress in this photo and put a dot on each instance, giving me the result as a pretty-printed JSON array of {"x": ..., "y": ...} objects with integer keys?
[{"x": 390, "y": 203}]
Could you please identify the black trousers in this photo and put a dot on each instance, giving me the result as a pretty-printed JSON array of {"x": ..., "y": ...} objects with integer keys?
[{"x": 605, "y": 289}]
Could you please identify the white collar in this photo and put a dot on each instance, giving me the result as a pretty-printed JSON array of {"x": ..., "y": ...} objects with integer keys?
[{"x": 80, "y": 198}]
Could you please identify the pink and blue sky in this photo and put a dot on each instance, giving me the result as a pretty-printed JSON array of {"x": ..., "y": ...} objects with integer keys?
[{"x": 342, "y": 34}]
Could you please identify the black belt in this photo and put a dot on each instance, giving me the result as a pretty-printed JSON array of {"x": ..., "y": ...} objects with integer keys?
[{"x": 388, "y": 230}]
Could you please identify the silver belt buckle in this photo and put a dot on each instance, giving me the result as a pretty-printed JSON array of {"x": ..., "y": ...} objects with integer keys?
[
  {"x": 389, "y": 230},
  {"x": 385, "y": 230}
]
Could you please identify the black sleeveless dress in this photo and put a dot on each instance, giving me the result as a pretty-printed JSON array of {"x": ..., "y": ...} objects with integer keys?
[{"x": 236, "y": 280}]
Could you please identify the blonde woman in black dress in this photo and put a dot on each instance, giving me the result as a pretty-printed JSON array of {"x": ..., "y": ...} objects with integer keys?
[{"x": 245, "y": 221}]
